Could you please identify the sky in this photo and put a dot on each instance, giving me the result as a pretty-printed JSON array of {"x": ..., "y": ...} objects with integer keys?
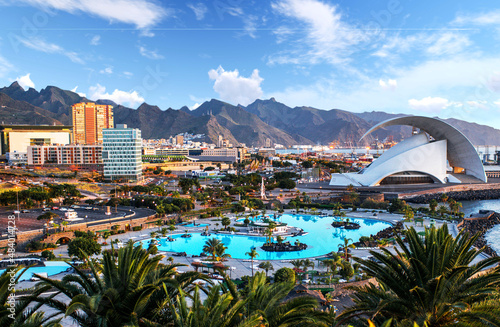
[{"x": 432, "y": 58}]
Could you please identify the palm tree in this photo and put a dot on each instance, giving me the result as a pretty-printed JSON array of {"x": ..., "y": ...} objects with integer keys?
[
  {"x": 252, "y": 254},
  {"x": 268, "y": 300},
  {"x": 159, "y": 223},
  {"x": 217, "y": 311},
  {"x": 296, "y": 263},
  {"x": 337, "y": 206},
  {"x": 442, "y": 210},
  {"x": 330, "y": 264},
  {"x": 226, "y": 222},
  {"x": 433, "y": 205},
  {"x": 266, "y": 266},
  {"x": 119, "y": 293},
  {"x": 23, "y": 313},
  {"x": 220, "y": 252},
  {"x": 408, "y": 213},
  {"x": 211, "y": 245},
  {"x": 306, "y": 263},
  {"x": 431, "y": 281},
  {"x": 454, "y": 206},
  {"x": 346, "y": 247},
  {"x": 444, "y": 197}
]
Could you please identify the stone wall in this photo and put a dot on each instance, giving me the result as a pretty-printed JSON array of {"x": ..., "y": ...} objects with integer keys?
[{"x": 23, "y": 238}]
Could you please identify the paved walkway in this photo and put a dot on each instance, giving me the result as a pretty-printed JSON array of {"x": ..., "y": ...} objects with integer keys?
[{"x": 243, "y": 267}]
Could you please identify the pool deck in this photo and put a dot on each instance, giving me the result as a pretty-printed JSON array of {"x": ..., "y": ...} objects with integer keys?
[{"x": 242, "y": 267}]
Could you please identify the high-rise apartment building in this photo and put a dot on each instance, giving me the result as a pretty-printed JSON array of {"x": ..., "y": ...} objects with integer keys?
[
  {"x": 121, "y": 153},
  {"x": 89, "y": 119},
  {"x": 179, "y": 139}
]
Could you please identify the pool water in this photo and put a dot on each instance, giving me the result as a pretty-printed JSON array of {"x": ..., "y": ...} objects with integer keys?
[
  {"x": 192, "y": 225},
  {"x": 51, "y": 268},
  {"x": 322, "y": 238}
]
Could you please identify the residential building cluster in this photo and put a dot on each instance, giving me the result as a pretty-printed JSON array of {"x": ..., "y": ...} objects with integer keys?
[{"x": 91, "y": 143}]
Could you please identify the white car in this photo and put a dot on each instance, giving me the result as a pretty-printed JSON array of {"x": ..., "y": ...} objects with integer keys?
[{"x": 63, "y": 209}]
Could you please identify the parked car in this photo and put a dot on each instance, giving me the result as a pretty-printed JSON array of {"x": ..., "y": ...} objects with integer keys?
[
  {"x": 55, "y": 208},
  {"x": 25, "y": 211},
  {"x": 46, "y": 209}
]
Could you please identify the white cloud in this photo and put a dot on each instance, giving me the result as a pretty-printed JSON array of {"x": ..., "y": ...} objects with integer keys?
[
  {"x": 150, "y": 54},
  {"x": 432, "y": 44},
  {"x": 96, "y": 40},
  {"x": 497, "y": 103},
  {"x": 198, "y": 101},
  {"x": 429, "y": 104},
  {"x": 234, "y": 88},
  {"x": 131, "y": 98},
  {"x": 128, "y": 74},
  {"x": 489, "y": 18},
  {"x": 250, "y": 25},
  {"x": 141, "y": 13},
  {"x": 391, "y": 84},
  {"x": 449, "y": 43},
  {"x": 327, "y": 37},
  {"x": 282, "y": 34},
  {"x": 108, "y": 70},
  {"x": 79, "y": 93},
  {"x": 493, "y": 82},
  {"x": 461, "y": 79},
  {"x": 199, "y": 9},
  {"x": 481, "y": 104},
  {"x": 25, "y": 81},
  {"x": 43, "y": 46}
]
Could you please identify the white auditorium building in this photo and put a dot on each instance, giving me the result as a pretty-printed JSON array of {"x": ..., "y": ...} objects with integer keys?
[{"x": 439, "y": 153}]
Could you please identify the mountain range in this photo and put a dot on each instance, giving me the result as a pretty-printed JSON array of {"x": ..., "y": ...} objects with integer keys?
[{"x": 251, "y": 125}]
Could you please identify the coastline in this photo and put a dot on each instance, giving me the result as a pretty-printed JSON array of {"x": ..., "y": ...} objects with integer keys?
[{"x": 468, "y": 195}]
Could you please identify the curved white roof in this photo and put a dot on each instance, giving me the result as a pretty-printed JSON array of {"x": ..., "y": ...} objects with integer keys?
[{"x": 460, "y": 151}]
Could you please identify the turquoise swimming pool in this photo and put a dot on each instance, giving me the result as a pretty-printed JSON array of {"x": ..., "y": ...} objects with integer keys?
[
  {"x": 192, "y": 225},
  {"x": 321, "y": 239},
  {"x": 51, "y": 268}
]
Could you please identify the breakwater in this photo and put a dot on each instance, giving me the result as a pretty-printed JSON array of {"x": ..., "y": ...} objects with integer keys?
[
  {"x": 482, "y": 225},
  {"x": 466, "y": 195}
]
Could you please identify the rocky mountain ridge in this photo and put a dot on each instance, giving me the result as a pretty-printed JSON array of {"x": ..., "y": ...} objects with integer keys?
[{"x": 251, "y": 125}]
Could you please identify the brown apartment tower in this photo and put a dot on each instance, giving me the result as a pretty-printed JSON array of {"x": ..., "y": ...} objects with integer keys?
[{"x": 88, "y": 121}]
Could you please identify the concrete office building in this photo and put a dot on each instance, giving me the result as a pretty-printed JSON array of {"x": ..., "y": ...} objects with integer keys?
[
  {"x": 89, "y": 119},
  {"x": 121, "y": 153},
  {"x": 17, "y": 138}
]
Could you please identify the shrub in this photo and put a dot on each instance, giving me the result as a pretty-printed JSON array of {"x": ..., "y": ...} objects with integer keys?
[
  {"x": 136, "y": 228},
  {"x": 47, "y": 254},
  {"x": 365, "y": 239},
  {"x": 79, "y": 244},
  {"x": 37, "y": 246},
  {"x": 284, "y": 275}
]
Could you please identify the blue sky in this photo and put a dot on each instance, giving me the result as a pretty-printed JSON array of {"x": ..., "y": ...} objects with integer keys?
[{"x": 435, "y": 58}]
